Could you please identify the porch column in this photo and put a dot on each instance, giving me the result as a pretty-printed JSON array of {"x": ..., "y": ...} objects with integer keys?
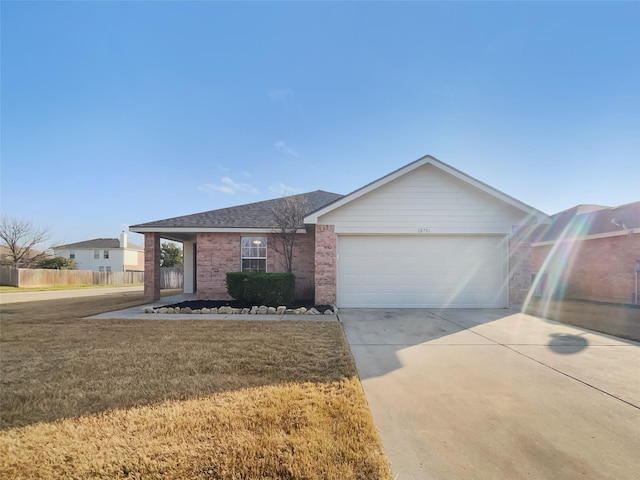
[
  {"x": 519, "y": 265},
  {"x": 152, "y": 266},
  {"x": 188, "y": 263},
  {"x": 325, "y": 264}
]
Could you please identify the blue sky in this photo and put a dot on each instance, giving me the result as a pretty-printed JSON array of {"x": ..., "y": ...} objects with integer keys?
[{"x": 121, "y": 113}]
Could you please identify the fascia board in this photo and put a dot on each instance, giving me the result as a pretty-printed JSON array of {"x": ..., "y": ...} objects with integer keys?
[
  {"x": 313, "y": 218},
  {"x": 205, "y": 230},
  {"x": 594, "y": 236},
  {"x": 528, "y": 209}
]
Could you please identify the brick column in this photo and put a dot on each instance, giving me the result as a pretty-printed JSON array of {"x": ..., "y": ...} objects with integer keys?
[
  {"x": 519, "y": 265},
  {"x": 325, "y": 264},
  {"x": 152, "y": 266}
]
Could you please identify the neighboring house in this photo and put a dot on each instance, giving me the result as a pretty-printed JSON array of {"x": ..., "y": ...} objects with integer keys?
[
  {"x": 104, "y": 254},
  {"x": 426, "y": 235},
  {"x": 589, "y": 252}
]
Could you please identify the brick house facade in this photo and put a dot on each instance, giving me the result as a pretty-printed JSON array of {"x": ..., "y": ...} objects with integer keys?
[
  {"x": 424, "y": 207},
  {"x": 589, "y": 253}
]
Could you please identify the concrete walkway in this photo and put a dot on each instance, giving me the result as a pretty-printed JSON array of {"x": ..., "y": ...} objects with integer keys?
[{"x": 493, "y": 394}]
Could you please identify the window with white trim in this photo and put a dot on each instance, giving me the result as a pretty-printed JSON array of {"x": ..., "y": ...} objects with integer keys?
[
  {"x": 253, "y": 254},
  {"x": 96, "y": 254},
  {"x": 72, "y": 254},
  {"x": 105, "y": 254}
]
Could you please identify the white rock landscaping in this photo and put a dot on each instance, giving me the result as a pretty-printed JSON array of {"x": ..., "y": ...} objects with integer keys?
[{"x": 255, "y": 310}]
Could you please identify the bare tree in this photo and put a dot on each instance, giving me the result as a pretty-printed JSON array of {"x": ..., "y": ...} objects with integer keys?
[
  {"x": 21, "y": 238},
  {"x": 288, "y": 216}
]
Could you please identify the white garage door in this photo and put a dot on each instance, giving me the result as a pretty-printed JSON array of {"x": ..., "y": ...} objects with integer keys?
[{"x": 422, "y": 271}]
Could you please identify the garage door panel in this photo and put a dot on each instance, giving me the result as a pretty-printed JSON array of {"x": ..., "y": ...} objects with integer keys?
[{"x": 418, "y": 271}]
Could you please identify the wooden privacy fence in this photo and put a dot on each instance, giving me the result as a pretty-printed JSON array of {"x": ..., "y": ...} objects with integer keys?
[
  {"x": 31, "y": 277},
  {"x": 171, "y": 277}
]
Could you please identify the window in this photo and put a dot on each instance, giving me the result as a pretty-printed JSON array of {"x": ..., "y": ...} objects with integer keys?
[
  {"x": 108, "y": 269},
  {"x": 253, "y": 253},
  {"x": 101, "y": 269},
  {"x": 96, "y": 254},
  {"x": 72, "y": 254},
  {"x": 105, "y": 254}
]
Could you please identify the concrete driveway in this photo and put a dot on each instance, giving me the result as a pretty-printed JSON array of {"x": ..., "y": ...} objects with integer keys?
[{"x": 492, "y": 394}]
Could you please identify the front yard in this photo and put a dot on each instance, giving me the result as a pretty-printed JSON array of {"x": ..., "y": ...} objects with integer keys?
[{"x": 187, "y": 399}]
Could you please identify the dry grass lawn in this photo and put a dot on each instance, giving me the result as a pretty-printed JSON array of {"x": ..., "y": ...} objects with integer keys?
[{"x": 187, "y": 399}]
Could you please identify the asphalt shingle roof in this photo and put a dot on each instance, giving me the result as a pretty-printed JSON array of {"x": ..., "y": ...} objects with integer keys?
[
  {"x": 251, "y": 215},
  {"x": 583, "y": 220},
  {"x": 99, "y": 243}
]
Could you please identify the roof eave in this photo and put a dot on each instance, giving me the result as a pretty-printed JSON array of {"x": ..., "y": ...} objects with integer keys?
[{"x": 206, "y": 230}]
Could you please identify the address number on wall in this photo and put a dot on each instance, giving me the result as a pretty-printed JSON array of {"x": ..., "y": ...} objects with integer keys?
[{"x": 424, "y": 230}]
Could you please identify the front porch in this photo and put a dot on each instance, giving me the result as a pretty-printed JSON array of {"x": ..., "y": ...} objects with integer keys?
[{"x": 152, "y": 267}]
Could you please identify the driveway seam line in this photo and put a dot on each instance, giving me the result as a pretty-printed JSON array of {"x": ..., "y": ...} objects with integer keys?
[
  {"x": 543, "y": 364},
  {"x": 572, "y": 377}
]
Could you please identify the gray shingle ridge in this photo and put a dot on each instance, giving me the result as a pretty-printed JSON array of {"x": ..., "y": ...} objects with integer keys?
[
  {"x": 99, "y": 243},
  {"x": 250, "y": 215}
]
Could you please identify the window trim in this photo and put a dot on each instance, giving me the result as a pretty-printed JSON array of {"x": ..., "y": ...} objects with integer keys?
[
  {"x": 258, "y": 247},
  {"x": 105, "y": 254}
]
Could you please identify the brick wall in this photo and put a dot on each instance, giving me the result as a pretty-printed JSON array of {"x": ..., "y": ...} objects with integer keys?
[
  {"x": 219, "y": 253},
  {"x": 519, "y": 268},
  {"x": 600, "y": 269},
  {"x": 303, "y": 262},
  {"x": 152, "y": 266},
  {"x": 325, "y": 264}
]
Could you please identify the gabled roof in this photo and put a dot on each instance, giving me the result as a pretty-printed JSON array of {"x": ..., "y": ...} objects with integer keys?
[
  {"x": 256, "y": 215},
  {"x": 98, "y": 243},
  {"x": 590, "y": 220},
  {"x": 428, "y": 160}
]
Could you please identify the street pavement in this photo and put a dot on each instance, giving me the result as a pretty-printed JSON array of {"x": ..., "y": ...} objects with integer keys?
[{"x": 19, "y": 297}]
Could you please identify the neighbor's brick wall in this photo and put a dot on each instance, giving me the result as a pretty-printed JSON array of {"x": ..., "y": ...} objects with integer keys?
[
  {"x": 152, "y": 266},
  {"x": 519, "y": 269},
  {"x": 219, "y": 253},
  {"x": 325, "y": 264},
  {"x": 600, "y": 269}
]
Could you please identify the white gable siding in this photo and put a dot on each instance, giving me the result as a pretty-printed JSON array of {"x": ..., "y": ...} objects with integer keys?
[
  {"x": 85, "y": 261},
  {"x": 426, "y": 200}
]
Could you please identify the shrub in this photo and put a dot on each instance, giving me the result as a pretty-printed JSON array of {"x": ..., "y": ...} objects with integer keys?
[
  {"x": 57, "y": 263},
  {"x": 261, "y": 288}
]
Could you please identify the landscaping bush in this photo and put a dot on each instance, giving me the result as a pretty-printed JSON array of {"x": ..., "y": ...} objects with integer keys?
[{"x": 270, "y": 289}]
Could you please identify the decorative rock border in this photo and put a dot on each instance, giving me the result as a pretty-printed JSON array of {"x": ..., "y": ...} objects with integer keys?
[{"x": 261, "y": 310}]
